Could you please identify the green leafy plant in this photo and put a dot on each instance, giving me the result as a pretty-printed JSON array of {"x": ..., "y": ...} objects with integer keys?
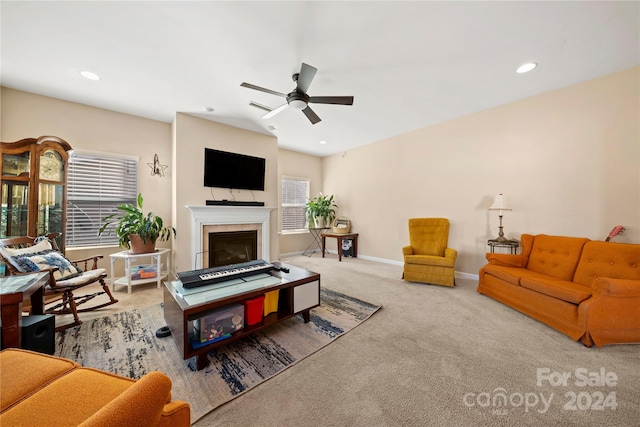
[
  {"x": 132, "y": 220},
  {"x": 321, "y": 207}
]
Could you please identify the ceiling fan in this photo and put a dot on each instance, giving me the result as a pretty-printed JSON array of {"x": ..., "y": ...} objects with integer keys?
[{"x": 298, "y": 98}]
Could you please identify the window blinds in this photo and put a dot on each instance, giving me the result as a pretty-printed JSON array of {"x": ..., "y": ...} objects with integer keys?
[
  {"x": 96, "y": 185},
  {"x": 295, "y": 193}
]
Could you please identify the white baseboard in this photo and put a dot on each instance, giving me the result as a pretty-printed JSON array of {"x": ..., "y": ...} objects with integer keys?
[
  {"x": 457, "y": 274},
  {"x": 462, "y": 275},
  {"x": 382, "y": 260}
]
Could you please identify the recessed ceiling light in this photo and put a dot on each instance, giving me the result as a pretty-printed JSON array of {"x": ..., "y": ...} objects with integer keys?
[
  {"x": 89, "y": 75},
  {"x": 524, "y": 68},
  {"x": 209, "y": 109},
  {"x": 323, "y": 142}
]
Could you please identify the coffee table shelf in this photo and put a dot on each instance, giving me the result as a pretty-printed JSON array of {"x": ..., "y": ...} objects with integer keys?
[{"x": 299, "y": 292}]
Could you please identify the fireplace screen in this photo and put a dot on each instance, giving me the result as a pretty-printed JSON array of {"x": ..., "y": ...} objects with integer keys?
[{"x": 232, "y": 247}]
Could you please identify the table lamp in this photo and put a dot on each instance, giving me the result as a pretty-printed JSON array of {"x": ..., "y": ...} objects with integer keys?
[{"x": 500, "y": 204}]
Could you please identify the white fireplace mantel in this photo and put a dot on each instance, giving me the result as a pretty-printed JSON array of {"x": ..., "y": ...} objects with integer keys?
[{"x": 202, "y": 216}]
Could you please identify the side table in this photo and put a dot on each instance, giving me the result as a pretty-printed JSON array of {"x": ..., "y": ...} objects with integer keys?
[
  {"x": 341, "y": 237},
  {"x": 14, "y": 290},
  {"x": 316, "y": 244},
  {"x": 156, "y": 259},
  {"x": 511, "y": 244}
]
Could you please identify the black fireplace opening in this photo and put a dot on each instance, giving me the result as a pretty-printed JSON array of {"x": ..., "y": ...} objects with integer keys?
[{"x": 232, "y": 247}]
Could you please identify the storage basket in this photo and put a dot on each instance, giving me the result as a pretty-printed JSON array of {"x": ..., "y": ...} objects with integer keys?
[
  {"x": 341, "y": 225},
  {"x": 253, "y": 309}
]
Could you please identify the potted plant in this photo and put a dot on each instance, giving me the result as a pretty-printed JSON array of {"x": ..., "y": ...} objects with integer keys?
[
  {"x": 321, "y": 210},
  {"x": 135, "y": 230}
]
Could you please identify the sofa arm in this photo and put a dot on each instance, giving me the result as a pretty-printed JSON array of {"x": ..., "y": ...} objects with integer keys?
[
  {"x": 407, "y": 250},
  {"x": 140, "y": 405},
  {"x": 507, "y": 260},
  {"x": 611, "y": 315},
  {"x": 450, "y": 253},
  {"x": 617, "y": 287},
  {"x": 175, "y": 413}
]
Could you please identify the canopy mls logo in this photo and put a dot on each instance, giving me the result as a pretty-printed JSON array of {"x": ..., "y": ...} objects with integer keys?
[
  {"x": 589, "y": 397},
  {"x": 500, "y": 402}
]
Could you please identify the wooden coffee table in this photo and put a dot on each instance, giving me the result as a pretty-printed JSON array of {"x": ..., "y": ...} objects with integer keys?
[{"x": 299, "y": 292}]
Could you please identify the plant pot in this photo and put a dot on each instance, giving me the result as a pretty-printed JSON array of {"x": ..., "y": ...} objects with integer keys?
[
  {"x": 318, "y": 222},
  {"x": 139, "y": 247}
]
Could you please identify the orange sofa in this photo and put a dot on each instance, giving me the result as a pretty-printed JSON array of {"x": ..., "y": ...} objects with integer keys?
[
  {"x": 588, "y": 290},
  {"x": 41, "y": 390}
]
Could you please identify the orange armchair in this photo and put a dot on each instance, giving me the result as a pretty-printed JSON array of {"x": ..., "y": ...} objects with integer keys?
[{"x": 427, "y": 259}]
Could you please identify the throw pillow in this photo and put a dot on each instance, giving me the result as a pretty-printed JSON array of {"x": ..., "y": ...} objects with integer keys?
[
  {"x": 10, "y": 253},
  {"x": 31, "y": 262},
  {"x": 43, "y": 245}
]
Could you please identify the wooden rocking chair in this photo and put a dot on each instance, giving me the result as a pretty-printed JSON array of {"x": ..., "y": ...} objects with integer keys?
[{"x": 28, "y": 254}]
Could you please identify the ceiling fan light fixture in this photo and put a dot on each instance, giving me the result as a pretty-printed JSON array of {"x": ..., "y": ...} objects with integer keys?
[
  {"x": 89, "y": 75},
  {"x": 525, "y": 68},
  {"x": 297, "y": 104},
  {"x": 298, "y": 98}
]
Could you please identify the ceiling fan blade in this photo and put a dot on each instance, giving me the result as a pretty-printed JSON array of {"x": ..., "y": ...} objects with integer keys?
[
  {"x": 264, "y": 107},
  {"x": 313, "y": 117},
  {"x": 261, "y": 89},
  {"x": 307, "y": 73},
  {"x": 342, "y": 100},
  {"x": 275, "y": 111}
]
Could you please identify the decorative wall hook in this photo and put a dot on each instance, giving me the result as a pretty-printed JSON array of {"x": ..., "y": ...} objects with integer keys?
[{"x": 156, "y": 167}]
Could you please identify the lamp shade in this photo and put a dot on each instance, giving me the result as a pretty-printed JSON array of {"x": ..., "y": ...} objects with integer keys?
[{"x": 500, "y": 203}]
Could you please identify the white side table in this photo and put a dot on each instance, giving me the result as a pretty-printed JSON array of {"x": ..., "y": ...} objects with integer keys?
[{"x": 129, "y": 258}]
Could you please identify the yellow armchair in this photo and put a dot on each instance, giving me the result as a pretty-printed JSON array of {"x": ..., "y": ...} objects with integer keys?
[{"x": 427, "y": 259}]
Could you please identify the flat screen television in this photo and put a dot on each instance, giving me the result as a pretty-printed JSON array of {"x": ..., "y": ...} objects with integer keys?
[{"x": 231, "y": 170}]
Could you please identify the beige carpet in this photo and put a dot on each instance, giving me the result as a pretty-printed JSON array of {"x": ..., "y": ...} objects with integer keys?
[
  {"x": 125, "y": 343},
  {"x": 436, "y": 356}
]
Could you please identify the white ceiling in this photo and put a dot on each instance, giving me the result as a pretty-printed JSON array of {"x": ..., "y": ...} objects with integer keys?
[{"x": 408, "y": 64}]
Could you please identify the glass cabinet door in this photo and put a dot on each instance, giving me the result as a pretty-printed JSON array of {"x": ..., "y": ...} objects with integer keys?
[
  {"x": 16, "y": 164},
  {"x": 50, "y": 209},
  {"x": 15, "y": 209}
]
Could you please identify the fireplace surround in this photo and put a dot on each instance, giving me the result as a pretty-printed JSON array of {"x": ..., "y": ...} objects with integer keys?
[{"x": 224, "y": 219}]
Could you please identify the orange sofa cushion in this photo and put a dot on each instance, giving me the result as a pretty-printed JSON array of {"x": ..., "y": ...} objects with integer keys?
[
  {"x": 556, "y": 256},
  {"x": 511, "y": 275},
  {"x": 22, "y": 372},
  {"x": 608, "y": 259},
  {"x": 73, "y": 398},
  {"x": 561, "y": 289}
]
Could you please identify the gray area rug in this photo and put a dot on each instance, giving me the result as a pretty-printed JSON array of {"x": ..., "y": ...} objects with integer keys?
[{"x": 125, "y": 344}]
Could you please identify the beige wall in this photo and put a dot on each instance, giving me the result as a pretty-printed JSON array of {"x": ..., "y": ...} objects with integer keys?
[
  {"x": 25, "y": 115},
  {"x": 568, "y": 162},
  {"x": 191, "y": 136},
  {"x": 298, "y": 165}
]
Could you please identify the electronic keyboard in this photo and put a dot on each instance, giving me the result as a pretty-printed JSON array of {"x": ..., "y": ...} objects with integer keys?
[{"x": 207, "y": 276}]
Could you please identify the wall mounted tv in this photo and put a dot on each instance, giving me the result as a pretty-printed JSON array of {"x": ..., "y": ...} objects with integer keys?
[{"x": 231, "y": 170}]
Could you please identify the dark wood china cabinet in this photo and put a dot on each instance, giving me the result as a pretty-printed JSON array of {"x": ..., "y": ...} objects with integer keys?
[{"x": 34, "y": 187}]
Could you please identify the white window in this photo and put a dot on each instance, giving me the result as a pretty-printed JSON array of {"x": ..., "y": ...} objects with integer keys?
[
  {"x": 96, "y": 185},
  {"x": 295, "y": 193}
]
